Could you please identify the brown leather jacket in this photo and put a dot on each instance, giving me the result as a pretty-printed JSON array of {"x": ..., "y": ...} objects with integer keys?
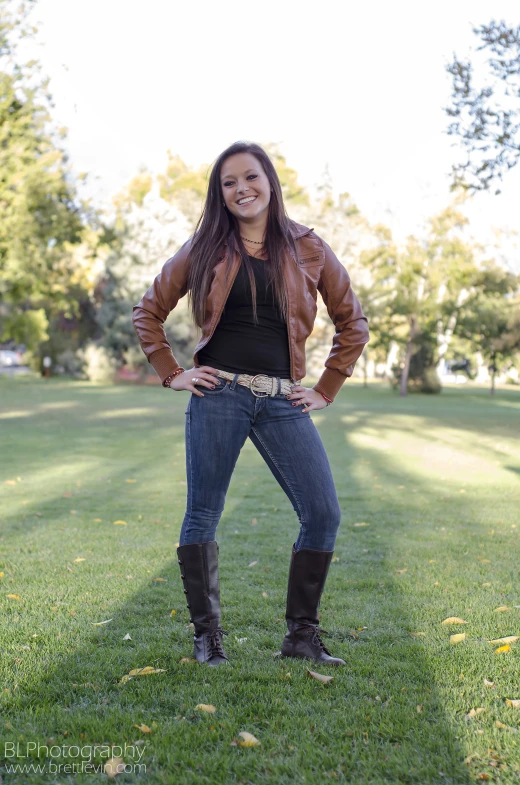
[{"x": 316, "y": 270}]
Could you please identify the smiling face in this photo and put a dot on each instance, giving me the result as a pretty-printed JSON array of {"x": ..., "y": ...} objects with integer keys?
[{"x": 245, "y": 188}]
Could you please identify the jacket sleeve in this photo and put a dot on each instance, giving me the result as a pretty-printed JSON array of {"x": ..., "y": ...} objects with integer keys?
[
  {"x": 150, "y": 313},
  {"x": 351, "y": 325}
]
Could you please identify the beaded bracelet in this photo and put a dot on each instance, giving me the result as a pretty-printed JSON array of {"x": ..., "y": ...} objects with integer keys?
[
  {"x": 329, "y": 400},
  {"x": 168, "y": 379}
]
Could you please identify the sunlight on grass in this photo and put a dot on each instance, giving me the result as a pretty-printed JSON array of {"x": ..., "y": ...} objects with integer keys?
[
  {"x": 57, "y": 405},
  {"x": 114, "y": 413},
  {"x": 429, "y": 500}
]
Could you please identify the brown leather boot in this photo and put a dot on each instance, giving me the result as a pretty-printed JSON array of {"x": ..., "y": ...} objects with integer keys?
[
  {"x": 199, "y": 572},
  {"x": 307, "y": 576}
]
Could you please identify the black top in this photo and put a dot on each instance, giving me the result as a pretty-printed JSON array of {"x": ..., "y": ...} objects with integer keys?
[{"x": 238, "y": 344}]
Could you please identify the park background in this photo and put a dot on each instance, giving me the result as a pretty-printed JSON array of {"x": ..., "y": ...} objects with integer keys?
[{"x": 110, "y": 116}]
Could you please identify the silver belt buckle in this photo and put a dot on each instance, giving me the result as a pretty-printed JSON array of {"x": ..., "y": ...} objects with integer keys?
[{"x": 251, "y": 386}]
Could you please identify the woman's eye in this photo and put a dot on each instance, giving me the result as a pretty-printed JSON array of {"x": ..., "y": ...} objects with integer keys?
[
  {"x": 228, "y": 183},
  {"x": 252, "y": 175}
]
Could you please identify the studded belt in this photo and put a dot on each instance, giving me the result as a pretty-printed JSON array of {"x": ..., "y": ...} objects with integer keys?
[{"x": 261, "y": 384}]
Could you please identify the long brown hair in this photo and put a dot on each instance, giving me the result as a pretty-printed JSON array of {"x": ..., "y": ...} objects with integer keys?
[{"x": 217, "y": 226}]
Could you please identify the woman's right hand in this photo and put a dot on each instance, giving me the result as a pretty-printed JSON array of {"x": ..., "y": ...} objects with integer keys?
[{"x": 205, "y": 376}]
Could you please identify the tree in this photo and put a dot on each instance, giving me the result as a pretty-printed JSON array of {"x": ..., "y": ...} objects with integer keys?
[
  {"x": 490, "y": 318},
  {"x": 47, "y": 248},
  {"x": 416, "y": 294},
  {"x": 485, "y": 109}
]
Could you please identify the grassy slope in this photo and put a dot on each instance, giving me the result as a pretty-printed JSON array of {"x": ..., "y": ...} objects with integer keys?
[{"x": 436, "y": 479}]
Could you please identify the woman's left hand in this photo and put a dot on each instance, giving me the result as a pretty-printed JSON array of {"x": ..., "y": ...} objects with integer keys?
[{"x": 307, "y": 396}]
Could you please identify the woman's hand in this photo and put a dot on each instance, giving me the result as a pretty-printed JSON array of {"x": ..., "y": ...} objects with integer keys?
[
  {"x": 204, "y": 375},
  {"x": 308, "y": 396}
]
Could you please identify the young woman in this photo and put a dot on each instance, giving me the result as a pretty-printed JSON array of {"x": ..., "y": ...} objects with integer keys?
[{"x": 252, "y": 277}]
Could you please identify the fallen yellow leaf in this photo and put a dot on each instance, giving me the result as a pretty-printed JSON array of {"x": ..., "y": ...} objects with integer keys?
[
  {"x": 13, "y": 596},
  {"x": 120, "y": 523},
  {"x": 515, "y": 704},
  {"x": 502, "y": 608},
  {"x": 146, "y": 671},
  {"x": 159, "y": 580},
  {"x": 97, "y": 520},
  {"x": 403, "y": 570},
  {"x": 264, "y": 594},
  {"x": 320, "y": 677},
  {"x": 503, "y": 649},
  {"x": 508, "y": 639},
  {"x": 454, "y": 620},
  {"x": 130, "y": 480},
  {"x": 362, "y": 524},
  {"x": 207, "y": 707},
  {"x": 248, "y": 739},
  {"x": 474, "y": 712},
  {"x": 418, "y": 634},
  {"x": 499, "y": 724},
  {"x": 173, "y": 613},
  {"x": 143, "y": 728},
  {"x": 488, "y": 683},
  {"x": 114, "y": 766},
  {"x": 76, "y": 561},
  {"x": 458, "y": 638},
  {"x": 1, "y": 574},
  {"x": 10, "y": 482},
  {"x": 187, "y": 659}
]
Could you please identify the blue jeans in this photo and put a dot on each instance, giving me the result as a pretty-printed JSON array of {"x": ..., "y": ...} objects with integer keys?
[{"x": 217, "y": 426}]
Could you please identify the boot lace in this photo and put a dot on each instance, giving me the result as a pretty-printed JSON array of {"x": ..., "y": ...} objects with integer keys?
[
  {"x": 215, "y": 642},
  {"x": 316, "y": 639}
]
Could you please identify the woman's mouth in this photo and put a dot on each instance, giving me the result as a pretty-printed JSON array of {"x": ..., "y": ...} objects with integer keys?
[{"x": 246, "y": 200}]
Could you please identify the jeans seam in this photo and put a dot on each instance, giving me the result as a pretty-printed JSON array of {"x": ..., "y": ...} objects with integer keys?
[
  {"x": 302, "y": 520},
  {"x": 190, "y": 465}
]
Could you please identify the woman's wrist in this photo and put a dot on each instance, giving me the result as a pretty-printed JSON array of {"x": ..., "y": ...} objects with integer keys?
[
  {"x": 329, "y": 400},
  {"x": 167, "y": 381}
]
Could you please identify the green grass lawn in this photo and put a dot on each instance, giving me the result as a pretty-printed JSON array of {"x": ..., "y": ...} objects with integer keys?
[{"x": 434, "y": 478}]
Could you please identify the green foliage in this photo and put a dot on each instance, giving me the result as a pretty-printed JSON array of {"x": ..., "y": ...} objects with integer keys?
[
  {"x": 43, "y": 222},
  {"x": 490, "y": 318},
  {"x": 419, "y": 293},
  {"x": 486, "y": 116}
]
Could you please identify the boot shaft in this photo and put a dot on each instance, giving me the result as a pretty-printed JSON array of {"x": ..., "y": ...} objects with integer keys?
[
  {"x": 199, "y": 573},
  {"x": 307, "y": 576}
]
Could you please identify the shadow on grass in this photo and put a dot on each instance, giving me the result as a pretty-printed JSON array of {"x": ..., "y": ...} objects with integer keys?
[{"x": 364, "y": 727}]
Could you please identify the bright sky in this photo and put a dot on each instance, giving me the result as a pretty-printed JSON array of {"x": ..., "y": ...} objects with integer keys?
[{"x": 359, "y": 87}]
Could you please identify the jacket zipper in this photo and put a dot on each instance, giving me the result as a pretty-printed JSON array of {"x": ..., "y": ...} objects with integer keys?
[{"x": 289, "y": 332}]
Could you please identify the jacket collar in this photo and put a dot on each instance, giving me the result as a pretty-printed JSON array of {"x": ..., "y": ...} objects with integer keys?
[{"x": 299, "y": 230}]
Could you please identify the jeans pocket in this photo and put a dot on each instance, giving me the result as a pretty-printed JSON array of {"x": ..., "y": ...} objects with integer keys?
[{"x": 219, "y": 389}]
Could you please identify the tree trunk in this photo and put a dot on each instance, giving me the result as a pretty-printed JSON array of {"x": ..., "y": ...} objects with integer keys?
[
  {"x": 493, "y": 370},
  {"x": 407, "y": 358},
  {"x": 444, "y": 336}
]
